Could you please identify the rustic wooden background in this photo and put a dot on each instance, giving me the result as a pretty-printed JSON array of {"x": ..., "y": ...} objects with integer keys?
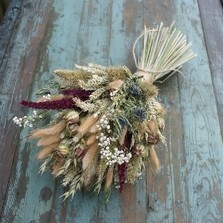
[
  {"x": 3, "y": 8},
  {"x": 38, "y": 36}
]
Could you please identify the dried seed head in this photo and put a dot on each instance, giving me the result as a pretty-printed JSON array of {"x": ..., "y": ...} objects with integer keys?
[
  {"x": 62, "y": 150},
  {"x": 72, "y": 117}
]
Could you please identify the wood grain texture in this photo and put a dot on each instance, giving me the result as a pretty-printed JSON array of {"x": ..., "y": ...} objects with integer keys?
[
  {"x": 7, "y": 25},
  {"x": 62, "y": 33},
  {"x": 212, "y": 22},
  {"x": 17, "y": 74},
  {"x": 164, "y": 196},
  {"x": 202, "y": 174}
]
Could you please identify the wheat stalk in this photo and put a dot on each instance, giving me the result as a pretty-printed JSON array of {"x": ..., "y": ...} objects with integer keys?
[{"x": 164, "y": 50}]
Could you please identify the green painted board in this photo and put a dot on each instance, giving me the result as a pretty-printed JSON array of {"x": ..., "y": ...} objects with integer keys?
[{"x": 48, "y": 35}]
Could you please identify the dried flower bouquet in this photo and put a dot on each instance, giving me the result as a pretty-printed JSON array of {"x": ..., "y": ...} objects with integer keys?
[{"x": 105, "y": 121}]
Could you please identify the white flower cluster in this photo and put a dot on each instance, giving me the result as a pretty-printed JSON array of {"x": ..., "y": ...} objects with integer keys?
[
  {"x": 117, "y": 156},
  {"x": 47, "y": 97},
  {"x": 26, "y": 121},
  {"x": 113, "y": 93},
  {"x": 104, "y": 124}
]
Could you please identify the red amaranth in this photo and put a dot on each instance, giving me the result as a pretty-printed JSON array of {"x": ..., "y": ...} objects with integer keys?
[
  {"x": 128, "y": 141},
  {"x": 122, "y": 175},
  {"x": 65, "y": 103}
]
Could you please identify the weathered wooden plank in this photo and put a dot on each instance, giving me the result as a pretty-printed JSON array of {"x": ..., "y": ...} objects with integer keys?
[
  {"x": 111, "y": 36},
  {"x": 90, "y": 41},
  {"x": 3, "y": 8},
  {"x": 17, "y": 71},
  {"x": 6, "y": 27},
  {"x": 202, "y": 175},
  {"x": 164, "y": 195},
  {"x": 212, "y": 22},
  {"x": 127, "y": 24},
  {"x": 103, "y": 32}
]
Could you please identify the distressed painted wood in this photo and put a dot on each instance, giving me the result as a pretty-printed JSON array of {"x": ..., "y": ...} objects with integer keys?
[
  {"x": 202, "y": 174},
  {"x": 62, "y": 33},
  {"x": 3, "y": 8},
  {"x": 18, "y": 64},
  {"x": 212, "y": 23}
]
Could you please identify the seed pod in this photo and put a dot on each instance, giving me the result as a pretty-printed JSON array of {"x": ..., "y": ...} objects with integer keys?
[
  {"x": 73, "y": 127},
  {"x": 153, "y": 139},
  {"x": 62, "y": 150},
  {"x": 72, "y": 117}
]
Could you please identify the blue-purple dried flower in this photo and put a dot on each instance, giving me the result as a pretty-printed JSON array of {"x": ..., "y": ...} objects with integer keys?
[
  {"x": 135, "y": 90},
  {"x": 139, "y": 114}
]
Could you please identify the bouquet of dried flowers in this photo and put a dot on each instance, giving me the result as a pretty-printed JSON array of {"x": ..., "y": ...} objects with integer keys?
[{"x": 104, "y": 122}]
